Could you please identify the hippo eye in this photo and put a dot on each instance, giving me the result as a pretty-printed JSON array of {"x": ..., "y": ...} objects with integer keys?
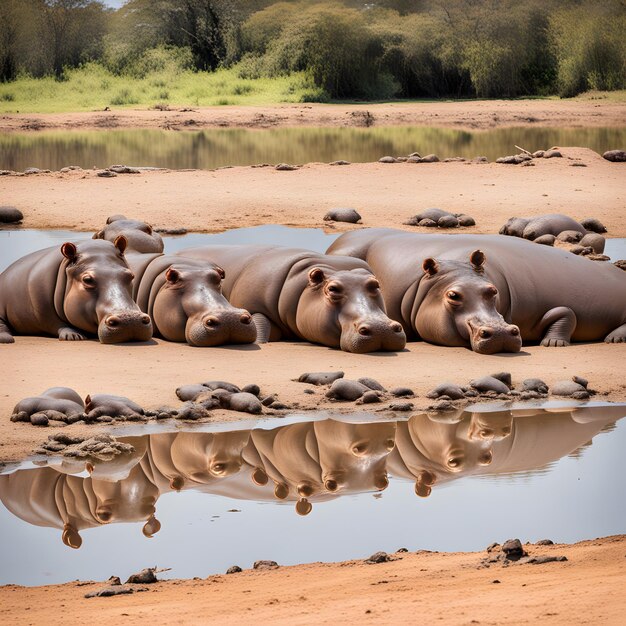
[
  {"x": 359, "y": 448},
  {"x": 453, "y": 295},
  {"x": 89, "y": 281},
  {"x": 373, "y": 285},
  {"x": 491, "y": 292}
]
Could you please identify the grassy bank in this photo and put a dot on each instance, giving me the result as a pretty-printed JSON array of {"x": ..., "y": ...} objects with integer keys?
[{"x": 92, "y": 87}]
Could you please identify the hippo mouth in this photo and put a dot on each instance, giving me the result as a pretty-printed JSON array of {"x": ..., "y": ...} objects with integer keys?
[
  {"x": 490, "y": 338},
  {"x": 217, "y": 330},
  {"x": 373, "y": 337},
  {"x": 125, "y": 326}
]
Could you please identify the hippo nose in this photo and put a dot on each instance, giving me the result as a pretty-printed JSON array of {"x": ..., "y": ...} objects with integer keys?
[
  {"x": 513, "y": 330},
  {"x": 145, "y": 319},
  {"x": 396, "y": 327},
  {"x": 246, "y": 318}
]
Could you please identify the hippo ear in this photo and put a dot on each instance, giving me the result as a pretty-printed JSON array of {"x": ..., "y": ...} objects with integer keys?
[
  {"x": 172, "y": 275},
  {"x": 114, "y": 218},
  {"x": 149, "y": 227},
  {"x": 87, "y": 404},
  {"x": 71, "y": 538},
  {"x": 120, "y": 243},
  {"x": 68, "y": 250},
  {"x": 220, "y": 271},
  {"x": 477, "y": 259},
  {"x": 316, "y": 276},
  {"x": 430, "y": 266},
  {"x": 98, "y": 235}
]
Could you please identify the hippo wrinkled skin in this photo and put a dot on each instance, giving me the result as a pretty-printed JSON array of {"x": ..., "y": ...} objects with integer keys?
[
  {"x": 140, "y": 236},
  {"x": 184, "y": 298},
  {"x": 292, "y": 293},
  {"x": 70, "y": 292},
  {"x": 546, "y": 294}
]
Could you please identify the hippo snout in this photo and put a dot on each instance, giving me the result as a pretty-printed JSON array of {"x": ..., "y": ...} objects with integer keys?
[
  {"x": 221, "y": 327},
  {"x": 125, "y": 326},
  {"x": 493, "y": 338},
  {"x": 373, "y": 335}
]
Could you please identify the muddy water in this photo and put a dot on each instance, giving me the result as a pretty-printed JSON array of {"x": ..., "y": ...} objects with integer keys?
[
  {"x": 319, "y": 490},
  {"x": 221, "y": 147},
  {"x": 17, "y": 243}
]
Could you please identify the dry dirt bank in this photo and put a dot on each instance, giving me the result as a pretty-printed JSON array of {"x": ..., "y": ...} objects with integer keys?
[{"x": 418, "y": 588}]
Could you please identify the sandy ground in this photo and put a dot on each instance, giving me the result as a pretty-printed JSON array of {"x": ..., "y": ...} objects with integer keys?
[
  {"x": 384, "y": 194},
  {"x": 149, "y": 374},
  {"x": 419, "y": 588},
  {"x": 469, "y": 114}
]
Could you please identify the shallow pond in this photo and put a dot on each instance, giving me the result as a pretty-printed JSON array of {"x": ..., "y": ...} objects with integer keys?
[
  {"x": 213, "y": 148},
  {"x": 300, "y": 491},
  {"x": 15, "y": 244}
]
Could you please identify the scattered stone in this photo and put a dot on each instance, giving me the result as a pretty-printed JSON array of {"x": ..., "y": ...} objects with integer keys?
[
  {"x": 370, "y": 397},
  {"x": 513, "y": 549},
  {"x": 10, "y": 215},
  {"x": 39, "y": 419},
  {"x": 567, "y": 388},
  {"x": 144, "y": 577},
  {"x": 551, "y": 154},
  {"x": 596, "y": 241},
  {"x": 371, "y": 383},
  {"x": 581, "y": 250},
  {"x": 546, "y": 240},
  {"x": 220, "y": 384},
  {"x": 541, "y": 559},
  {"x": 192, "y": 411},
  {"x": 505, "y": 377},
  {"x": 106, "y": 174},
  {"x": 243, "y": 402},
  {"x": 534, "y": 384},
  {"x": 350, "y": 216},
  {"x": 285, "y": 167},
  {"x": 493, "y": 546},
  {"x": 188, "y": 393},
  {"x": 71, "y": 168},
  {"x": 442, "y": 406},
  {"x": 340, "y": 162},
  {"x": 319, "y": 378},
  {"x": 309, "y": 391},
  {"x": 514, "y": 159},
  {"x": 429, "y": 158},
  {"x": 538, "y": 154},
  {"x": 455, "y": 160},
  {"x": 426, "y": 223},
  {"x": 496, "y": 581},
  {"x": 268, "y": 400},
  {"x": 615, "y": 156},
  {"x": 544, "y": 542},
  {"x": 415, "y": 155},
  {"x": 234, "y": 569},
  {"x": 279, "y": 406},
  {"x": 171, "y": 231},
  {"x": 454, "y": 392},
  {"x": 255, "y": 390},
  {"x": 466, "y": 220},
  {"x": 35, "y": 170},
  {"x": 528, "y": 164},
  {"x": 114, "y": 580},
  {"x": 480, "y": 159},
  {"x": 263, "y": 565},
  {"x": 570, "y": 236},
  {"x": 448, "y": 221},
  {"x": 401, "y": 406},
  {"x": 387, "y": 159},
  {"x": 400, "y": 550},
  {"x": 124, "y": 169},
  {"x": 379, "y": 557},
  {"x": 344, "y": 389},
  {"x": 578, "y": 164},
  {"x": 114, "y": 590},
  {"x": 489, "y": 383},
  {"x": 402, "y": 392}
]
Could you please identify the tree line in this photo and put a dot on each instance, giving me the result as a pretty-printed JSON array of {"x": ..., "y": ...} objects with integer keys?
[{"x": 351, "y": 49}]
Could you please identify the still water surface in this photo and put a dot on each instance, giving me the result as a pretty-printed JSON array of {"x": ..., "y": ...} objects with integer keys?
[
  {"x": 15, "y": 244},
  {"x": 213, "y": 148},
  {"x": 230, "y": 497}
]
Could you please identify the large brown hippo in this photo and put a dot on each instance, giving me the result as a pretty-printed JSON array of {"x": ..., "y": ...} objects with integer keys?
[
  {"x": 294, "y": 293},
  {"x": 140, "y": 236},
  {"x": 539, "y": 225},
  {"x": 184, "y": 299},
  {"x": 71, "y": 291},
  {"x": 446, "y": 291}
]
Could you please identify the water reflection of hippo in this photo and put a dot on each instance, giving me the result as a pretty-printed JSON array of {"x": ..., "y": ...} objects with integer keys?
[
  {"x": 551, "y": 295},
  {"x": 295, "y": 293},
  {"x": 72, "y": 290},
  {"x": 140, "y": 236},
  {"x": 184, "y": 298}
]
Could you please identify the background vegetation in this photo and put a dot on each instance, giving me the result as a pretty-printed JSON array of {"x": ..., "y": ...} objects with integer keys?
[{"x": 237, "y": 51}]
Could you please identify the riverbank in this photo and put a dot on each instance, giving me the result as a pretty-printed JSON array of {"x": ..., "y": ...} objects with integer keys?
[
  {"x": 452, "y": 587},
  {"x": 582, "y": 184},
  {"x": 607, "y": 111}
]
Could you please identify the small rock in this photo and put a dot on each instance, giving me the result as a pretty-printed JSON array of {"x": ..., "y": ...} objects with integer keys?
[
  {"x": 106, "y": 174},
  {"x": 427, "y": 223},
  {"x": 442, "y": 405},
  {"x": 594, "y": 225},
  {"x": 399, "y": 550},
  {"x": 544, "y": 542},
  {"x": 505, "y": 377},
  {"x": 429, "y": 158},
  {"x": 488, "y": 384},
  {"x": 285, "y": 167},
  {"x": 344, "y": 389},
  {"x": 278, "y": 406},
  {"x": 570, "y": 236},
  {"x": 10, "y": 215},
  {"x": 480, "y": 160},
  {"x": 544, "y": 558},
  {"x": 567, "y": 388},
  {"x": 370, "y": 397},
  {"x": 402, "y": 392},
  {"x": 255, "y": 390},
  {"x": 268, "y": 400},
  {"x": 401, "y": 406},
  {"x": 534, "y": 384},
  {"x": 615, "y": 156},
  {"x": 144, "y": 577},
  {"x": 114, "y": 590},
  {"x": 621, "y": 264},
  {"x": 387, "y": 159},
  {"x": 578, "y": 164},
  {"x": 114, "y": 580},
  {"x": 234, "y": 569},
  {"x": 538, "y": 154},
  {"x": 455, "y": 160},
  {"x": 340, "y": 162},
  {"x": 466, "y": 220},
  {"x": 513, "y": 549},
  {"x": 545, "y": 240},
  {"x": 309, "y": 391},
  {"x": 39, "y": 419},
  {"x": 448, "y": 221},
  {"x": 319, "y": 378},
  {"x": 371, "y": 383},
  {"x": 350, "y": 216},
  {"x": 378, "y": 557},
  {"x": 263, "y": 565},
  {"x": 124, "y": 169},
  {"x": 551, "y": 154},
  {"x": 492, "y": 546},
  {"x": 220, "y": 384},
  {"x": 454, "y": 392}
]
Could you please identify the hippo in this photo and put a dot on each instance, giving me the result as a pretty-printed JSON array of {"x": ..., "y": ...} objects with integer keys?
[
  {"x": 60, "y": 399},
  {"x": 70, "y": 292},
  {"x": 298, "y": 294},
  {"x": 101, "y": 404},
  {"x": 184, "y": 299},
  {"x": 140, "y": 236},
  {"x": 533, "y": 227},
  {"x": 508, "y": 290}
]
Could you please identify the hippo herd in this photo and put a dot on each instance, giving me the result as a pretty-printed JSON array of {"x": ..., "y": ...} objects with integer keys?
[{"x": 373, "y": 289}]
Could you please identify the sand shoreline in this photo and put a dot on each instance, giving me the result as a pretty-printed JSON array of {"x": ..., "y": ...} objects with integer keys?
[
  {"x": 468, "y": 115},
  {"x": 453, "y": 587}
]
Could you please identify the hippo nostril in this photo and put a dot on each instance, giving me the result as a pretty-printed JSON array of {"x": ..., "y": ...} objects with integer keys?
[
  {"x": 245, "y": 318},
  {"x": 515, "y": 331},
  {"x": 145, "y": 319},
  {"x": 305, "y": 490},
  {"x": 281, "y": 491},
  {"x": 211, "y": 322},
  {"x": 364, "y": 331},
  {"x": 397, "y": 328},
  {"x": 112, "y": 321},
  {"x": 331, "y": 485},
  {"x": 104, "y": 515},
  {"x": 484, "y": 333}
]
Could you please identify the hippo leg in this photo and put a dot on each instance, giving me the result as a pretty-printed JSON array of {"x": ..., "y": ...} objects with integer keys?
[
  {"x": 67, "y": 333},
  {"x": 559, "y": 324},
  {"x": 617, "y": 336},
  {"x": 5, "y": 333},
  {"x": 265, "y": 330}
]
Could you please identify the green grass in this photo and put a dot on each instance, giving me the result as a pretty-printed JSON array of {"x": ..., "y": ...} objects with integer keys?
[{"x": 92, "y": 87}]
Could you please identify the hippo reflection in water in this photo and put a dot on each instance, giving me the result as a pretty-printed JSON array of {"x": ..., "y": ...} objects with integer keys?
[{"x": 300, "y": 463}]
